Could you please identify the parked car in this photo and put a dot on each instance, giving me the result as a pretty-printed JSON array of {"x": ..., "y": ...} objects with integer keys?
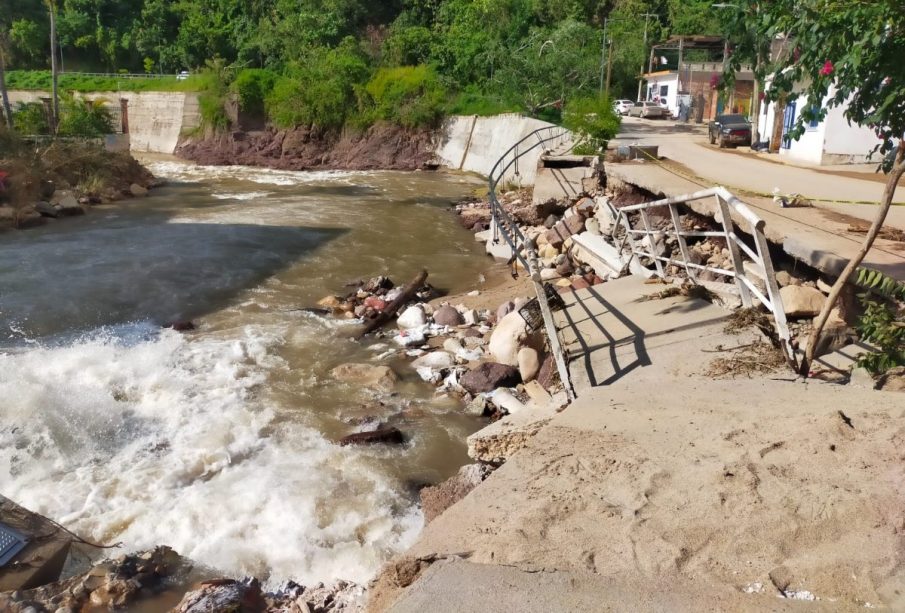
[
  {"x": 729, "y": 130},
  {"x": 183, "y": 75},
  {"x": 648, "y": 110},
  {"x": 622, "y": 107}
]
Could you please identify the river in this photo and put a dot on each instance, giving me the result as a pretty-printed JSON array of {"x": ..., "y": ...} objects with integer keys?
[{"x": 219, "y": 442}]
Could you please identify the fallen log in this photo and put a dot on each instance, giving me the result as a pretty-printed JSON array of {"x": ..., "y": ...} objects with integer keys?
[{"x": 389, "y": 312}]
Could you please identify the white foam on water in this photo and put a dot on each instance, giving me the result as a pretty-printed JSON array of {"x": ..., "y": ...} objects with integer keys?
[
  {"x": 239, "y": 195},
  {"x": 182, "y": 171},
  {"x": 155, "y": 438}
]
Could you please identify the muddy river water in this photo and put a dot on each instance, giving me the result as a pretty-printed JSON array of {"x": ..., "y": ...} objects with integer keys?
[{"x": 219, "y": 442}]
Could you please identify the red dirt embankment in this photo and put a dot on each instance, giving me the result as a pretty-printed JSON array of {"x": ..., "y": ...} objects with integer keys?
[{"x": 382, "y": 146}]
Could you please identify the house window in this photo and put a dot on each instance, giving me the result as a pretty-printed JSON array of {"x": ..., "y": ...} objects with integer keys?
[
  {"x": 812, "y": 124},
  {"x": 664, "y": 91}
]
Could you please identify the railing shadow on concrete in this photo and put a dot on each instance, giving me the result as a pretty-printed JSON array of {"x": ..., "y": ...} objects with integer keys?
[
  {"x": 644, "y": 242},
  {"x": 524, "y": 251}
]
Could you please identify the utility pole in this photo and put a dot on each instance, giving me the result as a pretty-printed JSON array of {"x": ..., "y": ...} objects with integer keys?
[
  {"x": 609, "y": 68},
  {"x": 644, "y": 52},
  {"x": 606, "y": 22},
  {"x": 53, "y": 65}
]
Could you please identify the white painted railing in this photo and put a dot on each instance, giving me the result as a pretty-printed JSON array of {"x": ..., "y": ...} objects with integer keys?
[
  {"x": 641, "y": 242},
  {"x": 523, "y": 250}
]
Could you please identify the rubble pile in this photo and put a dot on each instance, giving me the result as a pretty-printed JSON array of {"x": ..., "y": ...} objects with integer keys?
[
  {"x": 248, "y": 596},
  {"x": 113, "y": 584}
]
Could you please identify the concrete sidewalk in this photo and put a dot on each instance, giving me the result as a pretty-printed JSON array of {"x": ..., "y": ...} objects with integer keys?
[{"x": 611, "y": 330}]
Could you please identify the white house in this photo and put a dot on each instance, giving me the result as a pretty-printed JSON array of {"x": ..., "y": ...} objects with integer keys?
[{"x": 831, "y": 141}]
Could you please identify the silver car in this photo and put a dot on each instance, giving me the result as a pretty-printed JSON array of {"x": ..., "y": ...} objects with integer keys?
[
  {"x": 622, "y": 107},
  {"x": 648, "y": 110}
]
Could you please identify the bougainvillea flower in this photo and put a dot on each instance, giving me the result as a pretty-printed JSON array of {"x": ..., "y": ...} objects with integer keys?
[{"x": 827, "y": 69}]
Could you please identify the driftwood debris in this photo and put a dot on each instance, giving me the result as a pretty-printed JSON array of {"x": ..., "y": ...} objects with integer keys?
[{"x": 387, "y": 314}]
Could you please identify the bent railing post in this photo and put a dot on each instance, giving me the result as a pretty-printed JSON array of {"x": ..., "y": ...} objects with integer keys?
[{"x": 734, "y": 251}]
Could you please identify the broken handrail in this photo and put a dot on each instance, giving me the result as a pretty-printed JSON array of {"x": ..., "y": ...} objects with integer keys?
[
  {"x": 727, "y": 204},
  {"x": 525, "y": 251}
]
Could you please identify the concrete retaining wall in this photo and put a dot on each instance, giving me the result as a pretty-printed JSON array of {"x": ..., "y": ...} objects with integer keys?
[
  {"x": 472, "y": 143},
  {"x": 156, "y": 119}
]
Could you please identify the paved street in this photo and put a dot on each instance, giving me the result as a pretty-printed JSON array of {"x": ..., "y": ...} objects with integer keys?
[{"x": 687, "y": 144}]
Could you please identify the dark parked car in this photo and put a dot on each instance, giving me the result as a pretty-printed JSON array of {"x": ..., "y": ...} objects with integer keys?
[{"x": 731, "y": 130}]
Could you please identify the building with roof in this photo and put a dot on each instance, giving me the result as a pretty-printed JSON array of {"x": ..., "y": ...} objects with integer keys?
[{"x": 688, "y": 70}]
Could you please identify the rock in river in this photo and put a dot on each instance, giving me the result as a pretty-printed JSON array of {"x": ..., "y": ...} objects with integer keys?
[
  {"x": 370, "y": 375},
  {"x": 488, "y": 376},
  {"x": 381, "y": 435}
]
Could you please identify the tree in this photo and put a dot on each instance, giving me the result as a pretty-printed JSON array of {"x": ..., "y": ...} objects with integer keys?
[
  {"x": 52, "y": 8},
  {"x": 842, "y": 54},
  {"x": 4, "y": 96}
]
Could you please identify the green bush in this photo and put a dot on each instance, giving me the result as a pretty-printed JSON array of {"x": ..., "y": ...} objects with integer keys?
[
  {"x": 252, "y": 86},
  {"x": 593, "y": 120},
  {"x": 407, "y": 46},
  {"x": 883, "y": 321},
  {"x": 29, "y": 118},
  {"x": 84, "y": 118},
  {"x": 408, "y": 95},
  {"x": 321, "y": 90}
]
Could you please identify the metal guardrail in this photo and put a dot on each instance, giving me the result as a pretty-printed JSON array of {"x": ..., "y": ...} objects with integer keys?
[
  {"x": 758, "y": 259},
  {"x": 523, "y": 250}
]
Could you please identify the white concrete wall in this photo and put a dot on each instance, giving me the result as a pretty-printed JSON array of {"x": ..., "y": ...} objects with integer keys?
[
  {"x": 846, "y": 143},
  {"x": 672, "y": 95},
  {"x": 476, "y": 143},
  {"x": 832, "y": 141},
  {"x": 156, "y": 119}
]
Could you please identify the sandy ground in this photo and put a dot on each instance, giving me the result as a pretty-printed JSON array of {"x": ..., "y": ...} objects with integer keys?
[{"x": 754, "y": 485}]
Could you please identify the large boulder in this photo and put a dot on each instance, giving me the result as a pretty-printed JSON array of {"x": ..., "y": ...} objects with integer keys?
[
  {"x": 801, "y": 300},
  {"x": 489, "y": 376},
  {"x": 138, "y": 191},
  {"x": 509, "y": 335},
  {"x": 412, "y": 317},
  {"x": 528, "y": 363},
  {"x": 68, "y": 206},
  {"x": 448, "y": 316},
  {"x": 368, "y": 375},
  {"x": 435, "y": 360}
]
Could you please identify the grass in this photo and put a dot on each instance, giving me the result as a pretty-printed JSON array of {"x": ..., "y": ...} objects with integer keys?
[
  {"x": 473, "y": 103},
  {"x": 41, "y": 80}
]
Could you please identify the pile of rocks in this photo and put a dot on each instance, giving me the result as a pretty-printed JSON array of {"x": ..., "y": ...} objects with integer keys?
[
  {"x": 368, "y": 298},
  {"x": 248, "y": 597},
  {"x": 484, "y": 358},
  {"x": 113, "y": 584}
]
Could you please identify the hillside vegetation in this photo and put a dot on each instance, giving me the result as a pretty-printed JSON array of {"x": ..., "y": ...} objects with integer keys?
[{"x": 335, "y": 63}]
